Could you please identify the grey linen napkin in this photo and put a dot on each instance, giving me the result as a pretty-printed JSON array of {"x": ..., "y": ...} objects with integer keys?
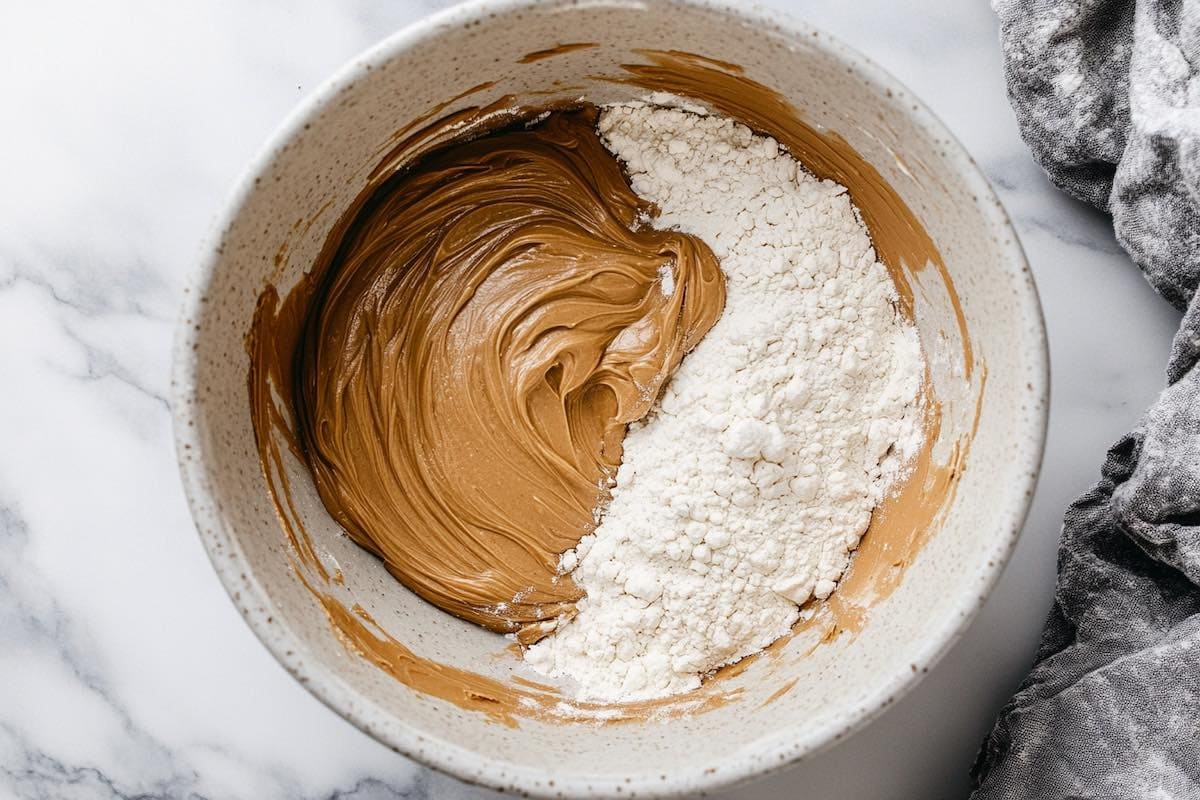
[{"x": 1107, "y": 95}]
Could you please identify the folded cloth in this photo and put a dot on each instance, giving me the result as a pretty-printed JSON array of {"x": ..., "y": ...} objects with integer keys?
[{"x": 1107, "y": 96}]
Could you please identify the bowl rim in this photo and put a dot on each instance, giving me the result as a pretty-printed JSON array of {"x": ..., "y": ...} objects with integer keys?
[{"x": 256, "y": 605}]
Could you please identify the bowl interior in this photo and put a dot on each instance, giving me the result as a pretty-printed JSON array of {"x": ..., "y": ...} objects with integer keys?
[{"x": 816, "y": 685}]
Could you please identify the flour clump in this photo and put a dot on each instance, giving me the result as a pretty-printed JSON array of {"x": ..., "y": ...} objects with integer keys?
[{"x": 742, "y": 494}]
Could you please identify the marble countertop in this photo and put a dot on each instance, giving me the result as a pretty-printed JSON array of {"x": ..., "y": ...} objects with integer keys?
[{"x": 125, "y": 671}]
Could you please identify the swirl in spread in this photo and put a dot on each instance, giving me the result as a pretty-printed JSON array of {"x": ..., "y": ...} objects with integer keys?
[{"x": 493, "y": 319}]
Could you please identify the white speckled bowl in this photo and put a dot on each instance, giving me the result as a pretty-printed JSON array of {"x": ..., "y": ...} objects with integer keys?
[{"x": 310, "y": 171}]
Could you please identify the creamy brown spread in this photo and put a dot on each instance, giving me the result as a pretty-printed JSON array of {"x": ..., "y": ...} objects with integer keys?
[
  {"x": 493, "y": 319},
  {"x": 562, "y": 49},
  {"x": 397, "y": 258}
]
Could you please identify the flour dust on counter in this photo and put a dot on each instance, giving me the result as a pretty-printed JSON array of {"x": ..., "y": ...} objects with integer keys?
[{"x": 744, "y": 490}]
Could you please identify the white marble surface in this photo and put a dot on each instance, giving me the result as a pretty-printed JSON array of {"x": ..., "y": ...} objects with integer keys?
[{"x": 124, "y": 669}]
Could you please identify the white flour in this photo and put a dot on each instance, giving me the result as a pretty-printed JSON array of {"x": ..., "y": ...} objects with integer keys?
[{"x": 743, "y": 492}]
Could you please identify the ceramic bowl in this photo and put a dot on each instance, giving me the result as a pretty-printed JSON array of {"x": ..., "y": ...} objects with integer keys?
[{"x": 808, "y": 693}]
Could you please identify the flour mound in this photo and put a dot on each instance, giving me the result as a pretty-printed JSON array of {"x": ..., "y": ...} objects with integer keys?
[{"x": 744, "y": 491}]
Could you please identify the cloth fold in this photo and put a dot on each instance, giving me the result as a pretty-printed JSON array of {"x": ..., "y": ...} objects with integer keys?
[{"x": 1107, "y": 96}]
